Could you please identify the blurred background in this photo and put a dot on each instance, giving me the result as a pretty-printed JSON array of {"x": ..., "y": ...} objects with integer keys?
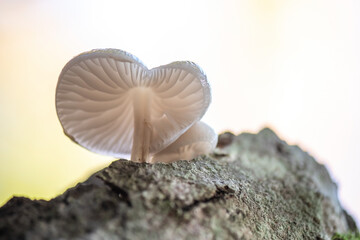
[{"x": 291, "y": 65}]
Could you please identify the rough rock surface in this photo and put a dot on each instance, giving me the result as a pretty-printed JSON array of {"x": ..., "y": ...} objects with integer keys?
[{"x": 254, "y": 187}]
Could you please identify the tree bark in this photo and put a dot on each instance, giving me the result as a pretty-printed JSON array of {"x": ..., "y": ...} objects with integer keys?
[{"x": 254, "y": 186}]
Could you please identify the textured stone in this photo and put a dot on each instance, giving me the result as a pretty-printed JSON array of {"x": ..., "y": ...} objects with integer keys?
[{"x": 254, "y": 186}]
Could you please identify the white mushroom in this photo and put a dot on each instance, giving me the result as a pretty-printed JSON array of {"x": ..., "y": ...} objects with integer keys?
[
  {"x": 199, "y": 139},
  {"x": 110, "y": 103}
]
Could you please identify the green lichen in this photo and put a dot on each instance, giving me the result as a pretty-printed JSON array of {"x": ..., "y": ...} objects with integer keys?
[{"x": 348, "y": 236}]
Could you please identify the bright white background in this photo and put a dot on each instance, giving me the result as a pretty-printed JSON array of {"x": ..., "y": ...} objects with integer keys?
[{"x": 291, "y": 65}]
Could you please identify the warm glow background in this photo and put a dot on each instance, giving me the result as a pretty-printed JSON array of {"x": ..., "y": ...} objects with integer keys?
[{"x": 291, "y": 65}]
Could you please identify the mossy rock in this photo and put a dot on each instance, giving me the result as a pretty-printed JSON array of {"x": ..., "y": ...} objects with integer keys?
[{"x": 254, "y": 187}]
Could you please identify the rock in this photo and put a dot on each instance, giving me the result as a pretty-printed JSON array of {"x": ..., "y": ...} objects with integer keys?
[{"x": 254, "y": 187}]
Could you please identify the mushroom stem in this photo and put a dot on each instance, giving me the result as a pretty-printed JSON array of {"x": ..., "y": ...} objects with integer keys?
[{"x": 142, "y": 125}]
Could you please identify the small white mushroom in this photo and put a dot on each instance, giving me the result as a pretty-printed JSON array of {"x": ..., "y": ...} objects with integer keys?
[
  {"x": 199, "y": 139},
  {"x": 110, "y": 103}
]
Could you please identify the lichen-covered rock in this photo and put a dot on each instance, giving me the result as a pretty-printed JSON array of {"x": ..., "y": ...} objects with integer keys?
[{"x": 254, "y": 187}]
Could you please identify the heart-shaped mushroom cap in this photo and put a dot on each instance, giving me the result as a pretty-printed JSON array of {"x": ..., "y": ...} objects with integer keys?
[{"x": 110, "y": 103}]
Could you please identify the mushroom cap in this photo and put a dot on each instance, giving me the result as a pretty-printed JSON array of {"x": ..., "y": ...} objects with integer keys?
[
  {"x": 197, "y": 140},
  {"x": 95, "y": 92}
]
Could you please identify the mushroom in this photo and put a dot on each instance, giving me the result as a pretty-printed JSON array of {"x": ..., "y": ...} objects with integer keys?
[
  {"x": 199, "y": 139},
  {"x": 109, "y": 102}
]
